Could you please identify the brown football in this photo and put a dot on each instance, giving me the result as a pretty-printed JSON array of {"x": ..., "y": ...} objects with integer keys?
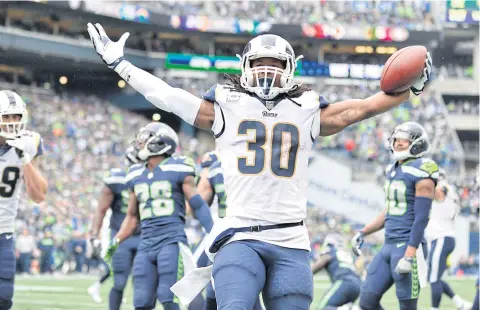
[{"x": 403, "y": 68}]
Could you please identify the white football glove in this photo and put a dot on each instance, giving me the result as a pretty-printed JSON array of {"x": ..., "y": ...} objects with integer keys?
[
  {"x": 404, "y": 265},
  {"x": 19, "y": 145},
  {"x": 419, "y": 85},
  {"x": 357, "y": 242},
  {"x": 96, "y": 247},
  {"x": 110, "y": 52}
]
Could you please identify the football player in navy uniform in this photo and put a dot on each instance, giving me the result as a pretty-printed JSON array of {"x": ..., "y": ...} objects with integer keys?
[
  {"x": 157, "y": 193},
  {"x": 115, "y": 196},
  {"x": 409, "y": 191},
  {"x": 340, "y": 266}
]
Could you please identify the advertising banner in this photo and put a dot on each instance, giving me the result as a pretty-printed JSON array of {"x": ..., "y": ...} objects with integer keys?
[{"x": 331, "y": 188}]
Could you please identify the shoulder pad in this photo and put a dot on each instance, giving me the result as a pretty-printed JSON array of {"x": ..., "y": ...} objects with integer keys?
[
  {"x": 429, "y": 166},
  {"x": 214, "y": 93},
  {"x": 188, "y": 161},
  {"x": 421, "y": 168},
  {"x": 116, "y": 171},
  {"x": 312, "y": 100},
  {"x": 133, "y": 172},
  {"x": 179, "y": 164},
  {"x": 389, "y": 168},
  {"x": 114, "y": 176}
]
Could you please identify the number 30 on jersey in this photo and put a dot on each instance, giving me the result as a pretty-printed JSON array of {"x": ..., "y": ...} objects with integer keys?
[{"x": 284, "y": 141}]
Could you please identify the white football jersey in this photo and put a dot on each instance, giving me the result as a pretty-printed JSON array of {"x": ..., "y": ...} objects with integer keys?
[
  {"x": 11, "y": 178},
  {"x": 265, "y": 150},
  {"x": 442, "y": 217}
]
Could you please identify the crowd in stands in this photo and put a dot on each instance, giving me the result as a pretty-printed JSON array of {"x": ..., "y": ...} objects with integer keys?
[
  {"x": 461, "y": 105},
  {"x": 451, "y": 70},
  {"x": 411, "y": 14},
  {"x": 85, "y": 135}
]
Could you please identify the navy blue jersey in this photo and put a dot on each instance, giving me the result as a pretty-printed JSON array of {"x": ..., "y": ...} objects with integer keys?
[
  {"x": 215, "y": 178},
  {"x": 341, "y": 266},
  {"x": 115, "y": 180},
  {"x": 400, "y": 195},
  {"x": 161, "y": 201}
]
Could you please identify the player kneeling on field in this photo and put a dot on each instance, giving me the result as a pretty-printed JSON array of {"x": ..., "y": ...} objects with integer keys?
[{"x": 341, "y": 270}]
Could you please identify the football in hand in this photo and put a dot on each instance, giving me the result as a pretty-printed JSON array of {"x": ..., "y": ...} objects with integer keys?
[{"x": 403, "y": 68}]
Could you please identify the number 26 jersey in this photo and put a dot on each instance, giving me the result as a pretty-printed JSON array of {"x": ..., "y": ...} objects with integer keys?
[{"x": 265, "y": 147}]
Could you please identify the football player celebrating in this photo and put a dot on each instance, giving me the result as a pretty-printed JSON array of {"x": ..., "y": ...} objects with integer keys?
[
  {"x": 158, "y": 189},
  {"x": 18, "y": 150},
  {"x": 409, "y": 192},
  {"x": 265, "y": 125},
  {"x": 115, "y": 196}
]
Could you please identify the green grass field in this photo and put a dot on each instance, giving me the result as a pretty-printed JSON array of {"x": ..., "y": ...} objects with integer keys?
[{"x": 70, "y": 292}]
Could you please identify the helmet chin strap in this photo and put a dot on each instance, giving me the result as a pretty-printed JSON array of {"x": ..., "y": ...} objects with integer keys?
[{"x": 402, "y": 155}]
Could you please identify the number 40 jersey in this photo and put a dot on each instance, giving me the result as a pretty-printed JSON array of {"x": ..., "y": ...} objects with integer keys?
[
  {"x": 11, "y": 176},
  {"x": 265, "y": 147},
  {"x": 400, "y": 195}
]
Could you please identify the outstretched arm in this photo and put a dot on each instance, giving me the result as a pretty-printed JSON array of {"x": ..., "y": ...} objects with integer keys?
[
  {"x": 338, "y": 116},
  {"x": 190, "y": 108},
  {"x": 335, "y": 117}
]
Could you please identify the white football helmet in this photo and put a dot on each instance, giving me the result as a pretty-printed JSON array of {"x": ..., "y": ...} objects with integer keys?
[
  {"x": 255, "y": 79},
  {"x": 12, "y": 104}
]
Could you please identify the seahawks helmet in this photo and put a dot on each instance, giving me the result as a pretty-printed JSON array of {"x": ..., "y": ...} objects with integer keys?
[
  {"x": 12, "y": 104},
  {"x": 256, "y": 80},
  {"x": 156, "y": 139},
  {"x": 417, "y": 136}
]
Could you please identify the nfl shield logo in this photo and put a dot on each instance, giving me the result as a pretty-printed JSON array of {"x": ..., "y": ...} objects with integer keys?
[{"x": 269, "y": 104}]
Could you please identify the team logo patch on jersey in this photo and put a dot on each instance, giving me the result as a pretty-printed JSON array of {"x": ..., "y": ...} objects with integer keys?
[
  {"x": 430, "y": 167},
  {"x": 269, "y": 104},
  {"x": 269, "y": 114},
  {"x": 233, "y": 98}
]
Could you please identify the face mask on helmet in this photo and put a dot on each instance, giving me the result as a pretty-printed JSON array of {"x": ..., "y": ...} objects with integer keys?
[
  {"x": 131, "y": 155},
  {"x": 13, "y": 114},
  {"x": 157, "y": 140},
  {"x": 418, "y": 143},
  {"x": 261, "y": 79}
]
